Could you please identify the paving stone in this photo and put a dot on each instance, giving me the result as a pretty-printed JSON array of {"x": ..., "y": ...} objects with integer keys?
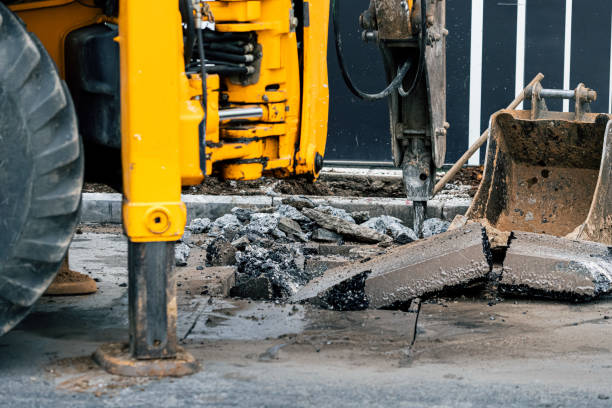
[{"x": 316, "y": 265}]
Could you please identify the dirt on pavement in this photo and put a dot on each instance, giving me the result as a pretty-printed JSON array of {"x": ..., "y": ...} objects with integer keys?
[{"x": 341, "y": 185}]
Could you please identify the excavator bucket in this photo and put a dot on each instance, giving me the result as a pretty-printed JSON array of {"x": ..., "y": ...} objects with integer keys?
[{"x": 548, "y": 172}]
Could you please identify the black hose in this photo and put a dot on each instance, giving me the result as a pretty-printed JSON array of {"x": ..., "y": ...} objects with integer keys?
[
  {"x": 231, "y": 48},
  {"x": 213, "y": 36},
  {"x": 204, "y": 88},
  {"x": 392, "y": 87},
  {"x": 423, "y": 44},
  {"x": 190, "y": 37},
  {"x": 228, "y": 70},
  {"x": 224, "y": 56}
]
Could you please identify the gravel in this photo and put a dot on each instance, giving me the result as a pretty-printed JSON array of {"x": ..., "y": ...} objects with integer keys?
[
  {"x": 267, "y": 247},
  {"x": 181, "y": 253},
  {"x": 434, "y": 226},
  {"x": 200, "y": 225},
  {"x": 336, "y": 212},
  {"x": 392, "y": 227},
  {"x": 281, "y": 266}
]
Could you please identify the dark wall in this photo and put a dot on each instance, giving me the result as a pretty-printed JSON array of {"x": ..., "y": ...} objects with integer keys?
[{"x": 358, "y": 130}]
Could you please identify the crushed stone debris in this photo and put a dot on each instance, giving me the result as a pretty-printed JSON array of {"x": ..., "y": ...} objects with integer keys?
[
  {"x": 277, "y": 250},
  {"x": 292, "y": 229},
  {"x": 181, "y": 253},
  {"x": 336, "y": 212},
  {"x": 263, "y": 224},
  {"x": 200, "y": 225},
  {"x": 282, "y": 267},
  {"x": 392, "y": 227},
  {"x": 243, "y": 214},
  {"x": 345, "y": 228},
  {"x": 434, "y": 226},
  {"x": 360, "y": 216},
  {"x": 220, "y": 252},
  {"x": 293, "y": 213}
]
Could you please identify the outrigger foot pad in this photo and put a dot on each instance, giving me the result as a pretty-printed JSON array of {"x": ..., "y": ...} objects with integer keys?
[{"x": 116, "y": 359}]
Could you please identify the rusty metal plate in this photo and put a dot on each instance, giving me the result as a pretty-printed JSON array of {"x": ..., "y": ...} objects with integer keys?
[
  {"x": 598, "y": 225},
  {"x": 116, "y": 359}
]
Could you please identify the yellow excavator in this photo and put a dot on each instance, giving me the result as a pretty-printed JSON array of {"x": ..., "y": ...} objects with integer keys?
[
  {"x": 168, "y": 93},
  {"x": 154, "y": 96}
]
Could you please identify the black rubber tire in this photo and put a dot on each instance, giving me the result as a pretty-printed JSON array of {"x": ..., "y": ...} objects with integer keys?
[{"x": 41, "y": 170}]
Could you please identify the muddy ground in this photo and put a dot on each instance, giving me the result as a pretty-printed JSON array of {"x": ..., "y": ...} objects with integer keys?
[{"x": 329, "y": 184}]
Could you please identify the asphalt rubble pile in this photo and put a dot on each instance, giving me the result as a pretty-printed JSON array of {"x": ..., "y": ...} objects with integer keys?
[{"x": 278, "y": 250}]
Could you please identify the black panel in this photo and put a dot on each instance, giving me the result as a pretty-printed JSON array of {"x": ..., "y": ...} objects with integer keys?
[
  {"x": 358, "y": 130},
  {"x": 591, "y": 49},
  {"x": 499, "y": 60},
  {"x": 458, "y": 22},
  {"x": 92, "y": 74},
  {"x": 545, "y": 45}
]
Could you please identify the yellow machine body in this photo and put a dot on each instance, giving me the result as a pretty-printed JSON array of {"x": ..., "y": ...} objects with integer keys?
[{"x": 161, "y": 110}]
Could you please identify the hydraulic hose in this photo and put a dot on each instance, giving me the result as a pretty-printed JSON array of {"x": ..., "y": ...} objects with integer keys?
[
  {"x": 392, "y": 87},
  {"x": 202, "y": 68},
  {"x": 423, "y": 44},
  {"x": 190, "y": 35},
  {"x": 204, "y": 100}
]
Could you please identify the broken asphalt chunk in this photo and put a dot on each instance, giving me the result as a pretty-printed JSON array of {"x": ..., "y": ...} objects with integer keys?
[
  {"x": 299, "y": 202},
  {"x": 324, "y": 235},
  {"x": 420, "y": 269},
  {"x": 560, "y": 268},
  {"x": 346, "y": 228},
  {"x": 292, "y": 229}
]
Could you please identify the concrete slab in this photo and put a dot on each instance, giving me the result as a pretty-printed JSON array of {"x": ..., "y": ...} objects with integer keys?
[
  {"x": 538, "y": 264},
  {"x": 425, "y": 267},
  {"x": 431, "y": 266}
]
